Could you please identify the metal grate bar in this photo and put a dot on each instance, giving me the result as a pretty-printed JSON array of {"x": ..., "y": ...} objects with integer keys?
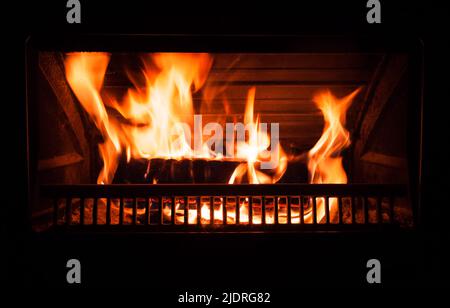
[
  {"x": 314, "y": 209},
  {"x": 224, "y": 209},
  {"x": 95, "y": 211},
  {"x": 108, "y": 211},
  {"x": 327, "y": 209},
  {"x": 186, "y": 210},
  {"x": 82, "y": 211},
  {"x": 340, "y": 211},
  {"x": 249, "y": 196},
  {"x": 121, "y": 211}
]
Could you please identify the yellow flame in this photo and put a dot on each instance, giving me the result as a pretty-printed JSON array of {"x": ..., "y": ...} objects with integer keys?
[
  {"x": 324, "y": 159},
  {"x": 252, "y": 151},
  {"x": 150, "y": 127}
]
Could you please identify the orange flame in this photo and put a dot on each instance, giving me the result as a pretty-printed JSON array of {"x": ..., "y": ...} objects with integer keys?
[
  {"x": 152, "y": 118},
  {"x": 253, "y": 150},
  {"x": 147, "y": 125},
  {"x": 85, "y": 73},
  {"x": 324, "y": 159}
]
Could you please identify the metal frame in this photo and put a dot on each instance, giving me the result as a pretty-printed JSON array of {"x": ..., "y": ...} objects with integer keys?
[{"x": 169, "y": 192}]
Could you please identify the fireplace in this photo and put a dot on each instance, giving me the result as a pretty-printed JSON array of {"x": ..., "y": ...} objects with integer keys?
[{"x": 223, "y": 134}]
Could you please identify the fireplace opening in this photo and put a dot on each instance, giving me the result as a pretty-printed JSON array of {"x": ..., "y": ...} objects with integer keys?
[{"x": 221, "y": 141}]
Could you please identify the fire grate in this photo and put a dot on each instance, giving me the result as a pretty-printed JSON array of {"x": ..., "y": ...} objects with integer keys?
[{"x": 203, "y": 207}]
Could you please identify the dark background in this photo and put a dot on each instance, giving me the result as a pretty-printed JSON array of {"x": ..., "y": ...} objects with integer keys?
[{"x": 414, "y": 259}]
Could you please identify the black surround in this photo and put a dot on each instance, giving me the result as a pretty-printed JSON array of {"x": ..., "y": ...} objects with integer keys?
[{"x": 410, "y": 257}]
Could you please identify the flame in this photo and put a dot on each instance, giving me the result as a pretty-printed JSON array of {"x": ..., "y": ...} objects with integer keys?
[
  {"x": 145, "y": 124},
  {"x": 150, "y": 125},
  {"x": 324, "y": 159},
  {"x": 253, "y": 150},
  {"x": 85, "y": 73}
]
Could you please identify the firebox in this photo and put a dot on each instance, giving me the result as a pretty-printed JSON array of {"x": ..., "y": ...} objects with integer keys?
[{"x": 223, "y": 134}]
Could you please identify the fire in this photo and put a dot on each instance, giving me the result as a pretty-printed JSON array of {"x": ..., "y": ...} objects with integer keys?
[
  {"x": 324, "y": 159},
  {"x": 152, "y": 119},
  {"x": 154, "y": 113},
  {"x": 254, "y": 150},
  {"x": 155, "y": 121},
  {"x": 85, "y": 73}
]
